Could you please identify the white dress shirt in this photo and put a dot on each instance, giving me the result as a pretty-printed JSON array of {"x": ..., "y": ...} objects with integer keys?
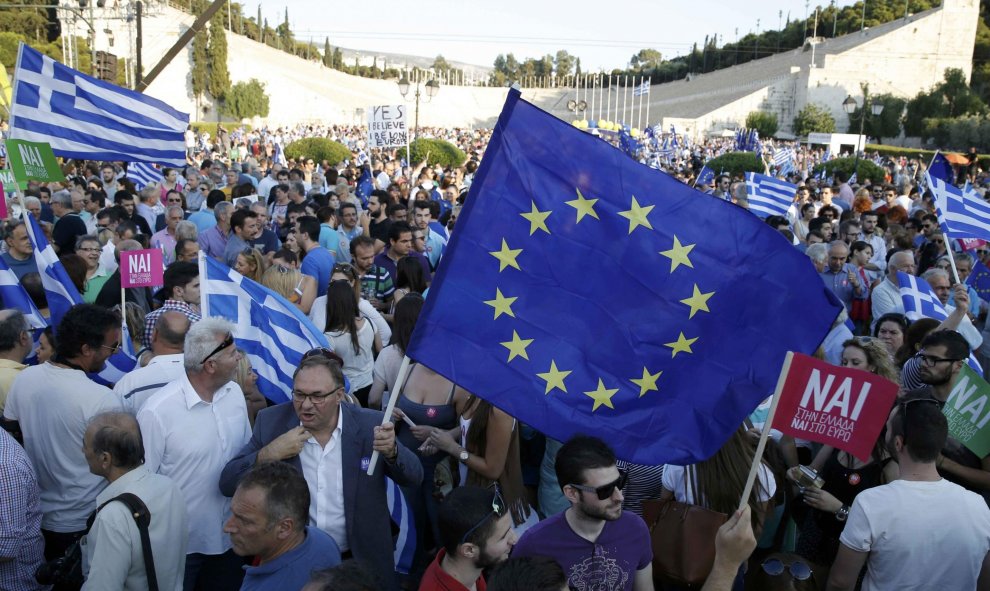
[
  {"x": 135, "y": 388},
  {"x": 190, "y": 441},
  {"x": 323, "y": 471}
]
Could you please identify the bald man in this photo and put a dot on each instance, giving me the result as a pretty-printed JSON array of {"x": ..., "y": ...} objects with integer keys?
[
  {"x": 112, "y": 552},
  {"x": 15, "y": 344},
  {"x": 167, "y": 339}
]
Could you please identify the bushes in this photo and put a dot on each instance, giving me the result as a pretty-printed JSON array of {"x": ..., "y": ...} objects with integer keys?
[
  {"x": 319, "y": 149},
  {"x": 736, "y": 163},
  {"x": 867, "y": 169},
  {"x": 763, "y": 122},
  {"x": 435, "y": 152}
]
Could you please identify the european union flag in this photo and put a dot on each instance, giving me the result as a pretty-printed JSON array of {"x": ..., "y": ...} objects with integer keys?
[
  {"x": 941, "y": 169},
  {"x": 364, "y": 186},
  {"x": 706, "y": 176},
  {"x": 587, "y": 293},
  {"x": 979, "y": 279}
]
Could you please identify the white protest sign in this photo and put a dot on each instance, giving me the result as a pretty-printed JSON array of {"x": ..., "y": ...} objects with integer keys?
[{"x": 387, "y": 126}]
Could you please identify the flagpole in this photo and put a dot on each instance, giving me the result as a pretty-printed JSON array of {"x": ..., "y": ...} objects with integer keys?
[
  {"x": 639, "y": 111},
  {"x": 625, "y": 101},
  {"x": 649, "y": 83},
  {"x": 593, "y": 81},
  {"x": 400, "y": 381},
  {"x": 765, "y": 432},
  {"x": 608, "y": 108},
  {"x": 204, "y": 292}
]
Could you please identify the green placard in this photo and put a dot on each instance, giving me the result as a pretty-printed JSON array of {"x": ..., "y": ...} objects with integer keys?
[
  {"x": 968, "y": 411},
  {"x": 33, "y": 161}
]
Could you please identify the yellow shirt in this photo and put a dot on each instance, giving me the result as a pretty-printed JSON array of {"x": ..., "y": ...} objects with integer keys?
[{"x": 8, "y": 371}]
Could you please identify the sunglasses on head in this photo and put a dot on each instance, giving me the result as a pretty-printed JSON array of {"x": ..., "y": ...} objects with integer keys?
[
  {"x": 227, "y": 341},
  {"x": 324, "y": 353},
  {"x": 498, "y": 510},
  {"x": 799, "y": 570},
  {"x": 605, "y": 491}
]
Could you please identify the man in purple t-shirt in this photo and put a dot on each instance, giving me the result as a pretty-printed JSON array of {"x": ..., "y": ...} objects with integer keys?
[{"x": 598, "y": 545}]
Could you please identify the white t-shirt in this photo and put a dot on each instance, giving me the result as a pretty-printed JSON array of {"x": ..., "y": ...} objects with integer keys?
[
  {"x": 53, "y": 406},
  {"x": 920, "y": 535},
  {"x": 674, "y": 479}
]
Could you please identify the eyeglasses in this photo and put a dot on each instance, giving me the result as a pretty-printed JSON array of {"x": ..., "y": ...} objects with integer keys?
[
  {"x": 228, "y": 341},
  {"x": 799, "y": 570},
  {"x": 605, "y": 491},
  {"x": 931, "y": 360},
  {"x": 91, "y": 249},
  {"x": 315, "y": 398},
  {"x": 498, "y": 510},
  {"x": 113, "y": 348}
]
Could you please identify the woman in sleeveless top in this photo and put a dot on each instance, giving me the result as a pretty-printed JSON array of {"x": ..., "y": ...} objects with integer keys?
[
  {"x": 429, "y": 401},
  {"x": 352, "y": 337}
]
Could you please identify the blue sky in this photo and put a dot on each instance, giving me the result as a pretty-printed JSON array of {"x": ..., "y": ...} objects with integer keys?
[{"x": 475, "y": 32}]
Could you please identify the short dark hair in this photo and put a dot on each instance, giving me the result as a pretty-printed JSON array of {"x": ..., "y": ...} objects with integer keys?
[
  {"x": 346, "y": 205},
  {"x": 181, "y": 243},
  {"x": 122, "y": 196},
  {"x": 11, "y": 329},
  {"x": 895, "y": 317},
  {"x": 580, "y": 453},
  {"x": 179, "y": 274},
  {"x": 394, "y": 207},
  {"x": 309, "y": 226},
  {"x": 214, "y": 197},
  {"x": 239, "y": 217},
  {"x": 919, "y": 420},
  {"x": 465, "y": 508},
  {"x": 331, "y": 365},
  {"x": 324, "y": 214},
  {"x": 349, "y": 575},
  {"x": 286, "y": 255},
  {"x": 421, "y": 204},
  {"x": 361, "y": 240},
  {"x": 528, "y": 573},
  {"x": 286, "y": 492},
  {"x": 956, "y": 346},
  {"x": 397, "y": 229},
  {"x": 84, "y": 324},
  {"x": 119, "y": 434}
]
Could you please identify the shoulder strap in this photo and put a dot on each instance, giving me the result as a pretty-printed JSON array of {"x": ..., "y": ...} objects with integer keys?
[
  {"x": 450, "y": 395},
  {"x": 142, "y": 517}
]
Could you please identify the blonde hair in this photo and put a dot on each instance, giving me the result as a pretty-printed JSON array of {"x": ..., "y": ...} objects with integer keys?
[
  {"x": 243, "y": 370},
  {"x": 282, "y": 280},
  {"x": 254, "y": 257}
]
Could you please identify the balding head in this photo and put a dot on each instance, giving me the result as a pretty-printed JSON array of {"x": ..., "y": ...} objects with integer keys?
[
  {"x": 902, "y": 261},
  {"x": 112, "y": 444},
  {"x": 838, "y": 253},
  {"x": 126, "y": 246},
  {"x": 169, "y": 333}
]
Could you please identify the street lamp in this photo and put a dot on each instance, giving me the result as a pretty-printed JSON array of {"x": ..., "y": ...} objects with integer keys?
[
  {"x": 432, "y": 88},
  {"x": 849, "y": 106}
]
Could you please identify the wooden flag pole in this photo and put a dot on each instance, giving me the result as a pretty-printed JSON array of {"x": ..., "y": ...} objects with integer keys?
[
  {"x": 400, "y": 381},
  {"x": 758, "y": 457}
]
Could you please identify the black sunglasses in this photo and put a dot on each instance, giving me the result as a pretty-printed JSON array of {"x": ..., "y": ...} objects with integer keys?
[
  {"x": 799, "y": 570},
  {"x": 498, "y": 510},
  {"x": 605, "y": 491},
  {"x": 228, "y": 341}
]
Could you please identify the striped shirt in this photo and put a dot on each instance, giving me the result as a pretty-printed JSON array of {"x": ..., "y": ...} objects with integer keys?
[{"x": 645, "y": 482}]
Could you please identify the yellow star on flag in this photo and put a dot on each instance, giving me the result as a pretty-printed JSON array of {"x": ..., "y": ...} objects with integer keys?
[
  {"x": 682, "y": 345},
  {"x": 537, "y": 220},
  {"x": 554, "y": 378},
  {"x": 601, "y": 396},
  {"x": 517, "y": 347},
  {"x": 506, "y": 257},
  {"x": 698, "y": 301},
  {"x": 636, "y": 215},
  {"x": 583, "y": 206},
  {"x": 502, "y": 304},
  {"x": 648, "y": 382},
  {"x": 678, "y": 255}
]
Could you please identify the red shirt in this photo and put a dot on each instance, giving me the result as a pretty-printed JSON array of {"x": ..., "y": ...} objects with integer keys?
[{"x": 436, "y": 579}]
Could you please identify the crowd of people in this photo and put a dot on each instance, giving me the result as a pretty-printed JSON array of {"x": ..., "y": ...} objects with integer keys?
[{"x": 182, "y": 475}]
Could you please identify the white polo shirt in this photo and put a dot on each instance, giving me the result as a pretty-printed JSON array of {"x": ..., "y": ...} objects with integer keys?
[
  {"x": 190, "y": 441},
  {"x": 53, "y": 406},
  {"x": 135, "y": 388}
]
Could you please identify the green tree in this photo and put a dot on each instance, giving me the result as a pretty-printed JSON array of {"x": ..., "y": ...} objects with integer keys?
[
  {"x": 338, "y": 58},
  {"x": 261, "y": 27},
  {"x": 886, "y": 124},
  {"x": 327, "y": 53},
  {"x": 218, "y": 80},
  {"x": 813, "y": 118},
  {"x": 646, "y": 58},
  {"x": 563, "y": 63},
  {"x": 284, "y": 33},
  {"x": 950, "y": 98},
  {"x": 246, "y": 99},
  {"x": 440, "y": 65},
  {"x": 765, "y": 123},
  {"x": 577, "y": 67},
  {"x": 200, "y": 71}
]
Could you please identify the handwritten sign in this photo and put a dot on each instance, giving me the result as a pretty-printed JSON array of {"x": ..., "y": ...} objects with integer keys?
[
  {"x": 387, "y": 126},
  {"x": 142, "y": 268},
  {"x": 838, "y": 406}
]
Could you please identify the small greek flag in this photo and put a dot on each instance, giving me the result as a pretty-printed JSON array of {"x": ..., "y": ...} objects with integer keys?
[
  {"x": 768, "y": 196},
  {"x": 144, "y": 174},
  {"x": 642, "y": 89},
  {"x": 405, "y": 544},
  {"x": 921, "y": 302},
  {"x": 963, "y": 214}
]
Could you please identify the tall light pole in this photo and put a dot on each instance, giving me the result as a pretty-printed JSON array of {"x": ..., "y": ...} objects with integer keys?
[
  {"x": 432, "y": 88},
  {"x": 849, "y": 106}
]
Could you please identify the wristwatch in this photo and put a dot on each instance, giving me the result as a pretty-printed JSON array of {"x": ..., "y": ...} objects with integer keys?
[
  {"x": 842, "y": 513},
  {"x": 463, "y": 456}
]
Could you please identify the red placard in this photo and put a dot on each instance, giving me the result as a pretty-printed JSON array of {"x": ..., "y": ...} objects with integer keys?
[
  {"x": 838, "y": 406},
  {"x": 142, "y": 268},
  {"x": 972, "y": 243}
]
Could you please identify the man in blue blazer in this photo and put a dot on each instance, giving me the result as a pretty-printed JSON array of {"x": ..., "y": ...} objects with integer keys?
[{"x": 331, "y": 445}]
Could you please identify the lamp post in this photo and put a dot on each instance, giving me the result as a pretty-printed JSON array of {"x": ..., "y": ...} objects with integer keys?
[
  {"x": 432, "y": 88},
  {"x": 849, "y": 106}
]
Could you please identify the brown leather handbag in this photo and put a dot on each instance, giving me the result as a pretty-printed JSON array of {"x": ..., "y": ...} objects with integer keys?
[{"x": 683, "y": 538}]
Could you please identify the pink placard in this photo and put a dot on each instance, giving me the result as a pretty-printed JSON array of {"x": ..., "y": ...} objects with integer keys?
[
  {"x": 3, "y": 202},
  {"x": 142, "y": 268}
]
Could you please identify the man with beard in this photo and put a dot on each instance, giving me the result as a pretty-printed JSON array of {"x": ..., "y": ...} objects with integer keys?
[
  {"x": 920, "y": 530},
  {"x": 595, "y": 540},
  {"x": 942, "y": 356},
  {"x": 475, "y": 534}
]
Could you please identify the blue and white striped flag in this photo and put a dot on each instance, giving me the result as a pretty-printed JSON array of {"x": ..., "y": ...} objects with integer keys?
[
  {"x": 16, "y": 297},
  {"x": 405, "y": 544},
  {"x": 768, "y": 196},
  {"x": 273, "y": 332},
  {"x": 89, "y": 119},
  {"x": 642, "y": 89},
  {"x": 852, "y": 179},
  {"x": 962, "y": 214},
  {"x": 921, "y": 302},
  {"x": 143, "y": 174}
]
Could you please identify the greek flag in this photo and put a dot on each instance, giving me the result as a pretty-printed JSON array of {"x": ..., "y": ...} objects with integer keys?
[
  {"x": 273, "y": 332},
  {"x": 14, "y": 296},
  {"x": 963, "y": 214},
  {"x": 921, "y": 302},
  {"x": 85, "y": 118},
  {"x": 143, "y": 174},
  {"x": 852, "y": 179},
  {"x": 768, "y": 196},
  {"x": 405, "y": 544},
  {"x": 642, "y": 89}
]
